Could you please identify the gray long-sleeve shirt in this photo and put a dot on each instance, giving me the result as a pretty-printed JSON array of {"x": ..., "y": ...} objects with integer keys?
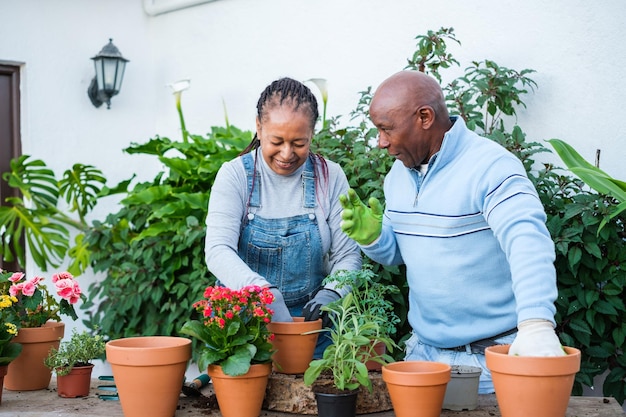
[{"x": 281, "y": 196}]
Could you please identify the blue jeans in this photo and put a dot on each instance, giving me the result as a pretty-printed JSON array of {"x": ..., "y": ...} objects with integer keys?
[{"x": 418, "y": 351}]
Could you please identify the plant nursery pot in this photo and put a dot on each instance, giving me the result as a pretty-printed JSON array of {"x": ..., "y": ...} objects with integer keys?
[
  {"x": 530, "y": 385},
  {"x": 462, "y": 390},
  {"x": 76, "y": 383},
  {"x": 27, "y": 372},
  {"x": 416, "y": 388},
  {"x": 149, "y": 372},
  {"x": 294, "y": 350},
  {"x": 341, "y": 404},
  {"x": 240, "y": 396}
]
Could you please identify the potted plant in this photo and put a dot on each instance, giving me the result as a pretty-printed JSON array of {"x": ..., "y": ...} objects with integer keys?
[
  {"x": 38, "y": 318},
  {"x": 72, "y": 363},
  {"x": 344, "y": 359},
  {"x": 373, "y": 303},
  {"x": 235, "y": 346}
]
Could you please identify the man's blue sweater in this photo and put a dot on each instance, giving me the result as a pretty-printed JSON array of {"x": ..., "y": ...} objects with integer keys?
[{"x": 472, "y": 234}]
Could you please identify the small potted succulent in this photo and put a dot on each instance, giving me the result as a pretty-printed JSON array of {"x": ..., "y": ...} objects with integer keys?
[
  {"x": 72, "y": 362},
  {"x": 343, "y": 361}
]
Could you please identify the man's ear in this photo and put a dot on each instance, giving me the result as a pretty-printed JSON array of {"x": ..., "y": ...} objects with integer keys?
[{"x": 426, "y": 116}]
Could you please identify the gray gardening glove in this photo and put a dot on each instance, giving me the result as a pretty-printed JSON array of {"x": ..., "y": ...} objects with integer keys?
[
  {"x": 312, "y": 310},
  {"x": 281, "y": 312}
]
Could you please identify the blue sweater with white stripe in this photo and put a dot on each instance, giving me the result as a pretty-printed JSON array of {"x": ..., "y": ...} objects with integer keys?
[{"x": 472, "y": 234}]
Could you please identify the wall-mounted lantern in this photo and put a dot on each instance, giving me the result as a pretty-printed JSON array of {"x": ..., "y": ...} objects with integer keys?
[{"x": 110, "y": 65}]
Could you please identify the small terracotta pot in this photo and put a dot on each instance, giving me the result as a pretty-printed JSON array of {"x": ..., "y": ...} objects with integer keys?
[
  {"x": 149, "y": 372},
  {"x": 530, "y": 385},
  {"x": 240, "y": 396},
  {"x": 27, "y": 372},
  {"x": 416, "y": 388},
  {"x": 462, "y": 390},
  {"x": 379, "y": 349},
  {"x": 294, "y": 350},
  {"x": 76, "y": 383}
]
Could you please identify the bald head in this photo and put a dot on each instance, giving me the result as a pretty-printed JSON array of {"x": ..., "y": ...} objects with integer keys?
[
  {"x": 410, "y": 113},
  {"x": 411, "y": 90}
]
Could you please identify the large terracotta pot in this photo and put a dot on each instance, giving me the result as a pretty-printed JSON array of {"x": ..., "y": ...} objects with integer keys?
[
  {"x": 76, "y": 383},
  {"x": 416, "y": 388},
  {"x": 294, "y": 349},
  {"x": 530, "y": 385},
  {"x": 27, "y": 372},
  {"x": 240, "y": 396},
  {"x": 149, "y": 372}
]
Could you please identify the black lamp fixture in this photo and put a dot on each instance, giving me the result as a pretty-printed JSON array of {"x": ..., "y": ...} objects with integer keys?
[{"x": 110, "y": 65}]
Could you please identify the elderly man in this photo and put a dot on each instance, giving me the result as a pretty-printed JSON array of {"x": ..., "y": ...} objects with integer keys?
[{"x": 463, "y": 216}]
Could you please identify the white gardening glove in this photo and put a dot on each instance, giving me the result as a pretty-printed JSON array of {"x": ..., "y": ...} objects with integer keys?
[
  {"x": 281, "y": 312},
  {"x": 536, "y": 338}
]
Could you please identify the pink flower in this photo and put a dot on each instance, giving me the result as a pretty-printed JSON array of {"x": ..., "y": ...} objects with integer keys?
[
  {"x": 28, "y": 289},
  {"x": 16, "y": 289},
  {"x": 68, "y": 289},
  {"x": 17, "y": 276},
  {"x": 61, "y": 275}
]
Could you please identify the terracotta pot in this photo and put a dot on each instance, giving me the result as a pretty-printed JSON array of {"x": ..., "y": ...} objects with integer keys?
[
  {"x": 240, "y": 396},
  {"x": 149, "y": 372},
  {"x": 27, "y": 372},
  {"x": 76, "y": 383},
  {"x": 294, "y": 350},
  {"x": 462, "y": 390},
  {"x": 531, "y": 385},
  {"x": 416, "y": 388},
  {"x": 342, "y": 404},
  {"x": 3, "y": 372},
  {"x": 379, "y": 349}
]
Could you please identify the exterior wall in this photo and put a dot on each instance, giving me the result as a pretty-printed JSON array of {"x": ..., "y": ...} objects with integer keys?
[{"x": 231, "y": 49}]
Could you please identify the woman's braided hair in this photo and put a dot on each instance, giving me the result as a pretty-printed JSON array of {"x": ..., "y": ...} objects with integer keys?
[
  {"x": 285, "y": 91},
  {"x": 291, "y": 92}
]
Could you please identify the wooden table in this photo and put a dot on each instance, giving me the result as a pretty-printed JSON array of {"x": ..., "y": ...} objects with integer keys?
[{"x": 46, "y": 403}]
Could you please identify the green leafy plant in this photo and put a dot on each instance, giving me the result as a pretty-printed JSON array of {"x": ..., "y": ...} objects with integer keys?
[
  {"x": 352, "y": 346},
  {"x": 35, "y": 305},
  {"x": 80, "y": 350},
  {"x": 233, "y": 332},
  {"x": 372, "y": 299},
  {"x": 39, "y": 218}
]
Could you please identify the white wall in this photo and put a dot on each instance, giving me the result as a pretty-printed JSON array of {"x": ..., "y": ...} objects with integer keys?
[{"x": 231, "y": 49}]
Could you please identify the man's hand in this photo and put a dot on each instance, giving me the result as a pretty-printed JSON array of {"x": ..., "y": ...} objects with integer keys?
[
  {"x": 312, "y": 310},
  {"x": 281, "y": 312},
  {"x": 361, "y": 223},
  {"x": 536, "y": 338}
]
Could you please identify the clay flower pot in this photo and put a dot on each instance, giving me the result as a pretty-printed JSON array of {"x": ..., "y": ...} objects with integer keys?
[
  {"x": 27, "y": 372},
  {"x": 242, "y": 395},
  {"x": 532, "y": 386},
  {"x": 76, "y": 383},
  {"x": 462, "y": 390},
  {"x": 416, "y": 388},
  {"x": 148, "y": 373},
  {"x": 294, "y": 349}
]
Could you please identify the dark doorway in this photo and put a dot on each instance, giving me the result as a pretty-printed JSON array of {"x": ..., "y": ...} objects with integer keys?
[{"x": 10, "y": 142}]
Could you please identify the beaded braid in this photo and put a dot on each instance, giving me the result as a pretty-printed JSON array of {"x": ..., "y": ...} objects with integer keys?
[{"x": 290, "y": 92}]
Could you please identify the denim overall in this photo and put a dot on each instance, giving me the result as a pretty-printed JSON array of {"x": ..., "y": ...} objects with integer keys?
[{"x": 287, "y": 251}]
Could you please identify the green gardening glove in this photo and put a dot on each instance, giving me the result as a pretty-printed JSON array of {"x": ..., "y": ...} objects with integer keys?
[{"x": 361, "y": 223}]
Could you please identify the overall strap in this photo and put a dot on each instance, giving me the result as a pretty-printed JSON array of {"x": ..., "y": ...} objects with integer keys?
[
  {"x": 308, "y": 184},
  {"x": 253, "y": 181}
]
